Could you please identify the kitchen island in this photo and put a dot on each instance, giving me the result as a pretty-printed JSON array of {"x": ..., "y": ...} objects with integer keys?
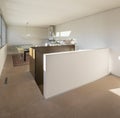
[{"x": 36, "y": 60}]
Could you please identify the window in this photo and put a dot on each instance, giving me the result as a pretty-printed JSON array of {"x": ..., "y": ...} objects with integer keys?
[
  {"x": 0, "y": 32},
  {"x": 63, "y": 34},
  {"x": 57, "y": 34},
  {"x": 3, "y": 32}
]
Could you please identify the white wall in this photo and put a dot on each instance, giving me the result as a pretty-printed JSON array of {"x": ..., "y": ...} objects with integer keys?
[
  {"x": 66, "y": 71},
  {"x": 17, "y": 35},
  {"x": 3, "y": 54},
  {"x": 98, "y": 31},
  {"x": 90, "y": 32}
]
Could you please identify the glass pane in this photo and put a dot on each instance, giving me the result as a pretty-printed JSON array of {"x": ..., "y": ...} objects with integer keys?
[
  {"x": 0, "y": 32},
  {"x": 3, "y": 33}
]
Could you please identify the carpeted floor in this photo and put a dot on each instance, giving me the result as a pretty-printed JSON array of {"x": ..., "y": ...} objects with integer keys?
[
  {"x": 18, "y": 60},
  {"x": 21, "y": 97}
]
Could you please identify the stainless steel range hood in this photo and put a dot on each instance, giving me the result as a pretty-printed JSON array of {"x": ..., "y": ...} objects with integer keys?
[{"x": 51, "y": 32}]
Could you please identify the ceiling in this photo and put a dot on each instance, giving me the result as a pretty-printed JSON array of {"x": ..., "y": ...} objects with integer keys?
[{"x": 51, "y": 12}]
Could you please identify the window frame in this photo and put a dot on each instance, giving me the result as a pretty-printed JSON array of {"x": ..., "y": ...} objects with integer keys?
[
  {"x": 3, "y": 32},
  {"x": 0, "y": 31}
]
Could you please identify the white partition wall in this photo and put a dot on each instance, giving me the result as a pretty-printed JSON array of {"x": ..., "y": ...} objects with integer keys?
[{"x": 69, "y": 70}]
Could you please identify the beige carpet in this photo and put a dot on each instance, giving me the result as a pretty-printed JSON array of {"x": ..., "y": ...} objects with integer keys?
[
  {"x": 21, "y": 98},
  {"x": 18, "y": 59}
]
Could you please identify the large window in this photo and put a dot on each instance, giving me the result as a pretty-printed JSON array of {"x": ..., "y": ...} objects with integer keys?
[
  {"x": 3, "y": 32},
  {"x": 0, "y": 32}
]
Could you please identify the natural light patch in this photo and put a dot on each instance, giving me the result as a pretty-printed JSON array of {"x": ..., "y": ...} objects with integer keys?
[
  {"x": 58, "y": 34},
  {"x": 118, "y": 57},
  {"x": 63, "y": 34},
  {"x": 115, "y": 91},
  {"x": 28, "y": 35},
  {"x": 44, "y": 63}
]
